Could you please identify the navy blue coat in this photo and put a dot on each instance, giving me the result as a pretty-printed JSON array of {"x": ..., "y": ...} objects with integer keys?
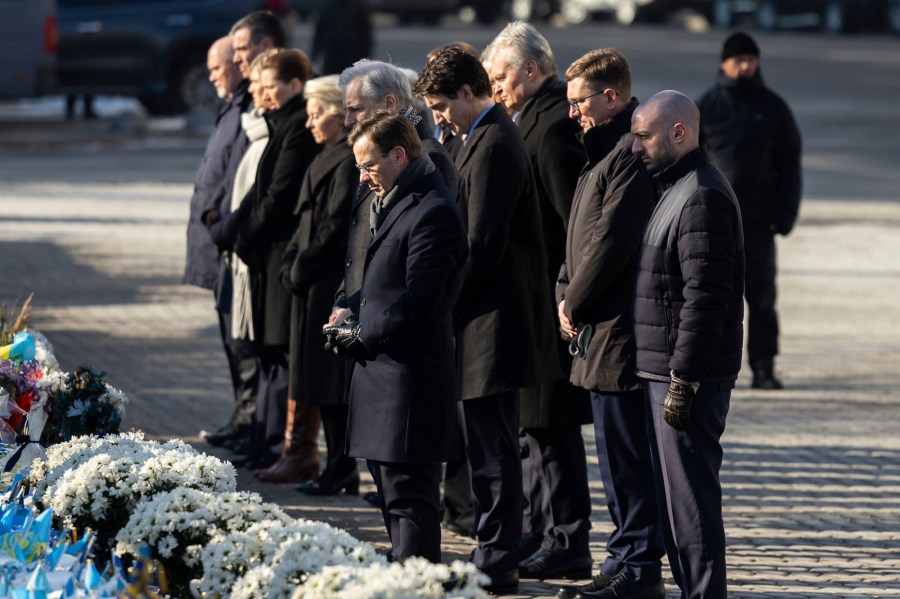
[
  {"x": 403, "y": 400},
  {"x": 212, "y": 190}
]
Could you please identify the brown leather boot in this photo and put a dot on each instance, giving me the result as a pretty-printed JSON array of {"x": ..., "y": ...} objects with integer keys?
[{"x": 300, "y": 460}]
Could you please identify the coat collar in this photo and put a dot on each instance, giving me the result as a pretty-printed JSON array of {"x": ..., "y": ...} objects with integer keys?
[
  {"x": 295, "y": 106},
  {"x": 492, "y": 116},
  {"x": 239, "y": 101},
  {"x": 418, "y": 180},
  {"x": 551, "y": 93},
  {"x": 600, "y": 140},
  {"x": 740, "y": 86},
  {"x": 673, "y": 173}
]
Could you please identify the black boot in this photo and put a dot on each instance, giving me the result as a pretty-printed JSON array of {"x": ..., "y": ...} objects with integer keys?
[{"x": 764, "y": 375}]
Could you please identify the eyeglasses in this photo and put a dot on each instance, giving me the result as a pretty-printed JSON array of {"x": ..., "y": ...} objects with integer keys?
[
  {"x": 576, "y": 103},
  {"x": 366, "y": 167}
]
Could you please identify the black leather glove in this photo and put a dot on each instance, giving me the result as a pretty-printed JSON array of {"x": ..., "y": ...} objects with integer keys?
[
  {"x": 344, "y": 339},
  {"x": 679, "y": 399}
]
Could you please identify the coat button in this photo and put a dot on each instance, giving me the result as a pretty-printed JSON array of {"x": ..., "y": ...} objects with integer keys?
[
  {"x": 348, "y": 262},
  {"x": 353, "y": 222},
  {"x": 362, "y": 302}
]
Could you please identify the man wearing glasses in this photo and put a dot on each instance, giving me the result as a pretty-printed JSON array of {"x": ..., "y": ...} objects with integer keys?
[
  {"x": 595, "y": 294},
  {"x": 404, "y": 388}
]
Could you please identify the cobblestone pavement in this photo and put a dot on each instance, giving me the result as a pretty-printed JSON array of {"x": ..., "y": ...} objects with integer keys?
[{"x": 811, "y": 475}]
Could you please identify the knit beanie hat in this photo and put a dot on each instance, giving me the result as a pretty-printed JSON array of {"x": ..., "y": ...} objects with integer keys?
[{"x": 737, "y": 44}]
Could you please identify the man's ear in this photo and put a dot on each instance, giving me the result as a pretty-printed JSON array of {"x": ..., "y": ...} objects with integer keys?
[
  {"x": 466, "y": 92},
  {"x": 531, "y": 68},
  {"x": 678, "y": 133},
  {"x": 391, "y": 103}
]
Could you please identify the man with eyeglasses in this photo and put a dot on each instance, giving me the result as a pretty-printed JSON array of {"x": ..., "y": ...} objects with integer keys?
[
  {"x": 557, "y": 515},
  {"x": 404, "y": 389},
  {"x": 613, "y": 202},
  {"x": 504, "y": 315}
]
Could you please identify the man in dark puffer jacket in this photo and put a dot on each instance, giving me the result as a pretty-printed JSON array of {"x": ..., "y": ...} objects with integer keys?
[
  {"x": 688, "y": 329},
  {"x": 751, "y": 135}
]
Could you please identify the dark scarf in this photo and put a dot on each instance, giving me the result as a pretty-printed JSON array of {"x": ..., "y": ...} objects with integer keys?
[{"x": 380, "y": 208}]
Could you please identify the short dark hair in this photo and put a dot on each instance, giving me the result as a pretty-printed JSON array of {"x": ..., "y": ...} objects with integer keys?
[
  {"x": 450, "y": 69},
  {"x": 388, "y": 130},
  {"x": 262, "y": 23},
  {"x": 605, "y": 66},
  {"x": 289, "y": 64},
  {"x": 464, "y": 46}
]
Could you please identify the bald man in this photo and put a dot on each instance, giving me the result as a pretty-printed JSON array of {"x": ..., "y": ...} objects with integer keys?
[
  {"x": 212, "y": 196},
  {"x": 688, "y": 316}
]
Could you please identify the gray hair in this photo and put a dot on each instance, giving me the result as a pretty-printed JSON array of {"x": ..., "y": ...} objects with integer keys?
[
  {"x": 523, "y": 43},
  {"x": 377, "y": 80},
  {"x": 411, "y": 77}
]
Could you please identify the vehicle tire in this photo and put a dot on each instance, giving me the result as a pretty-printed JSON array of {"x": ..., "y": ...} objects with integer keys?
[
  {"x": 626, "y": 11},
  {"x": 766, "y": 16},
  {"x": 834, "y": 17},
  {"x": 574, "y": 13},
  {"x": 723, "y": 14}
]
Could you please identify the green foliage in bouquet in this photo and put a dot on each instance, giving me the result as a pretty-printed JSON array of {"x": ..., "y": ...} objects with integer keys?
[{"x": 83, "y": 404}]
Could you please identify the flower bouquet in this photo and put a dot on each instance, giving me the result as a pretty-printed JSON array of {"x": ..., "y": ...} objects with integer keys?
[{"x": 82, "y": 403}]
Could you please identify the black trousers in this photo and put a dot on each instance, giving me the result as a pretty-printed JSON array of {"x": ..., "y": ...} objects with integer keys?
[
  {"x": 410, "y": 497},
  {"x": 762, "y": 319},
  {"x": 334, "y": 420},
  {"x": 244, "y": 369},
  {"x": 687, "y": 465},
  {"x": 622, "y": 428},
  {"x": 491, "y": 433},
  {"x": 555, "y": 483},
  {"x": 458, "y": 500}
]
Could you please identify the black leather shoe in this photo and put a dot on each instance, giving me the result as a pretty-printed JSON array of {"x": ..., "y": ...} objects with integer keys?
[
  {"x": 264, "y": 460},
  {"x": 457, "y": 529},
  {"x": 503, "y": 582},
  {"x": 372, "y": 498},
  {"x": 766, "y": 379},
  {"x": 240, "y": 445},
  {"x": 528, "y": 547},
  {"x": 555, "y": 564},
  {"x": 600, "y": 581},
  {"x": 622, "y": 587},
  {"x": 218, "y": 438}
]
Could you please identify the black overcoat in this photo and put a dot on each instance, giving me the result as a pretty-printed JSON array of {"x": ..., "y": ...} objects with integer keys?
[
  {"x": 312, "y": 268},
  {"x": 507, "y": 337},
  {"x": 267, "y": 220},
  {"x": 613, "y": 202},
  {"x": 551, "y": 140},
  {"x": 403, "y": 401}
]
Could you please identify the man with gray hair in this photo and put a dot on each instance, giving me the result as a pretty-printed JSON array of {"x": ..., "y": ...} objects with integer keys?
[
  {"x": 688, "y": 325},
  {"x": 556, "y": 518}
]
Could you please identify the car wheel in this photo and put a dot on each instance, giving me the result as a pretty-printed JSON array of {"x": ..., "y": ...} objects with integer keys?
[
  {"x": 723, "y": 14},
  {"x": 766, "y": 16},
  {"x": 834, "y": 20},
  {"x": 626, "y": 12},
  {"x": 190, "y": 87}
]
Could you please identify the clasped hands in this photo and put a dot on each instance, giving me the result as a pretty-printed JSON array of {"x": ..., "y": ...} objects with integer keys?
[{"x": 342, "y": 335}]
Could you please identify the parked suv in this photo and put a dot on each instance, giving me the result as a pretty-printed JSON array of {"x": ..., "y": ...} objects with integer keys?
[{"x": 154, "y": 50}]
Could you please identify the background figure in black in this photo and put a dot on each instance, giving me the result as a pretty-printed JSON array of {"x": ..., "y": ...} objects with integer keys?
[
  {"x": 751, "y": 136},
  {"x": 556, "y": 518},
  {"x": 343, "y": 35}
]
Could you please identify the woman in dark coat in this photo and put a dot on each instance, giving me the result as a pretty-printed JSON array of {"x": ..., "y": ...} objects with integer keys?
[
  {"x": 312, "y": 268},
  {"x": 266, "y": 223}
]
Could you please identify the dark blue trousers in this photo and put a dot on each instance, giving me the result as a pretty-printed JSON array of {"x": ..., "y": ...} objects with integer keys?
[
  {"x": 492, "y": 444},
  {"x": 687, "y": 465},
  {"x": 410, "y": 506},
  {"x": 622, "y": 429}
]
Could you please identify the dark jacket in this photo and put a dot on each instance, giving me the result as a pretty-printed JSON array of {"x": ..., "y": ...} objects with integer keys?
[
  {"x": 212, "y": 189},
  {"x": 751, "y": 136},
  {"x": 343, "y": 35},
  {"x": 348, "y": 293},
  {"x": 613, "y": 202},
  {"x": 689, "y": 299},
  {"x": 507, "y": 337},
  {"x": 551, "y": 140},
  {"x": 267, "y": 218},
  {"x": 403, "y": 400},
  {"x": 311, "y": 269}
]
